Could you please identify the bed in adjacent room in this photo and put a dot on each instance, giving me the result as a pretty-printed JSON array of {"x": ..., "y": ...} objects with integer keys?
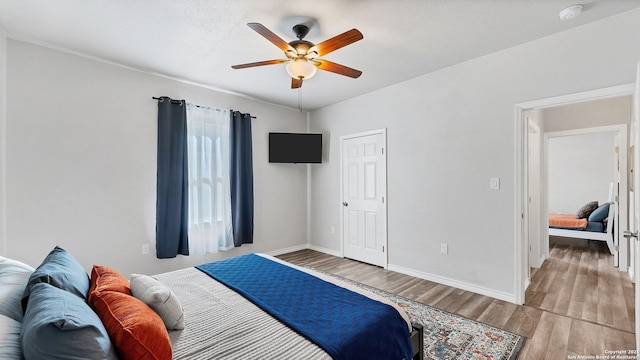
[
  {"x": 593, "y": 221},
  {"x": 248, "y": 307}
]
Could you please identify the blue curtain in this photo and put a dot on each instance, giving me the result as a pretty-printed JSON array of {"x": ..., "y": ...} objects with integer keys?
[
  {"x": 172, "y": 201},
  {"x": 241, "y": 172}
]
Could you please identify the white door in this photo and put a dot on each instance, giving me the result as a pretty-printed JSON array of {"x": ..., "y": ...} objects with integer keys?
[{"x": 364, "y": 187}]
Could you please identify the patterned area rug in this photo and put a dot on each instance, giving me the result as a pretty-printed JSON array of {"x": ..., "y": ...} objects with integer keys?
[{"x": 450, "y": 336}]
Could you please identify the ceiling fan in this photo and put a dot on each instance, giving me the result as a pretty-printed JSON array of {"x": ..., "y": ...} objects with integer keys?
[{"x": 302, "y": 56}]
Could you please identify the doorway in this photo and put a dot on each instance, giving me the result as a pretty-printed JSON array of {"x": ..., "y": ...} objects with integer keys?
[
  {"x": 523, "y": 242},
  {"x": 590, "y": 164},
  {"x": 363, "y": 190},
  {"x": 522, "y": 211}
]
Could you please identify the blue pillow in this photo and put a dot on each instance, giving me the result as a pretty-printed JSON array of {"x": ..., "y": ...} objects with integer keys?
[
  {"x": 60, "y": 325},
  {"x": 61, "y": 270},
  {"x": 599, "y": 214}
]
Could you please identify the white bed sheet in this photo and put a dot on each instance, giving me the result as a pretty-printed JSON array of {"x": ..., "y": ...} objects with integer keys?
[{"x": 221, "y": 324}]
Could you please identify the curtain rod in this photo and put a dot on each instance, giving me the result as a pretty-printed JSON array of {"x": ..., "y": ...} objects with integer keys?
[{"x": 177, "y": 101}]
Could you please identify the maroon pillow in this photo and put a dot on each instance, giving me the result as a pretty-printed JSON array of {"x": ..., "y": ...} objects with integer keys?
[
  {"x": 136, "y": 331},
  {"x": 586, "y": 210}
]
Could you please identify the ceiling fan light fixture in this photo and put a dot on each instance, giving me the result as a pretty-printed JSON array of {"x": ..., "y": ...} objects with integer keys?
[
  {"x": 301, "y": 69},
  {"x": 570, "y": 12}
]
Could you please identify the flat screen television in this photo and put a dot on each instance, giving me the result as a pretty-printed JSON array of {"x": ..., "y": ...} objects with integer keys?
[{"x": 297, "y": 148}]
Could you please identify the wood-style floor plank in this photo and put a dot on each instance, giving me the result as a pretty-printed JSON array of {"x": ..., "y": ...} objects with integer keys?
[
  {"x": 580, "y": 282},
  {"x": 577, "y": 303}
]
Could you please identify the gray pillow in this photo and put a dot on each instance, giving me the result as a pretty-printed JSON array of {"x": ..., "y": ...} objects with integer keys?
[
  {"x": 586, "y": 210},
  {"x": 60, "y": 325},
  {"x": 13, "y": 279},
  {"x": 160, "y": 298},
  {"x": 10, "y": 339}
]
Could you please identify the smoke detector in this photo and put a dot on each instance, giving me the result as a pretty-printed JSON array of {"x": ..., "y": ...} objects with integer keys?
[{"x": 570, "y": 12}]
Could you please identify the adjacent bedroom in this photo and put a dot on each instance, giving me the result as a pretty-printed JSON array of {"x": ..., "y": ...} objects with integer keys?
[{"x": 585, "y": 268}]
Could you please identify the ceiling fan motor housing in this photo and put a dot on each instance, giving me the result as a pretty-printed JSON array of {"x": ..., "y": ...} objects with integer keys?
[
  {"x": 301, "y": 31},
  {"x": 302, "y": 48}
]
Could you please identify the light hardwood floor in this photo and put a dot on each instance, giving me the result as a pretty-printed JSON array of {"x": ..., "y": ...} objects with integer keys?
[{"x": 577, "y": 303}]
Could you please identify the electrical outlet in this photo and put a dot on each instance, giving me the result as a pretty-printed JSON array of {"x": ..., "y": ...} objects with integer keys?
[
  {"x": 444, "y": 248},
  {"x": 145, "y": 249}
]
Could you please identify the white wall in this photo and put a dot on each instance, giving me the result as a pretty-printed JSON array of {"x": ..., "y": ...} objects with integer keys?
[
  {"x": 604, "y": 112},
  {"x": 581, "y": 167},
  {"x": 449, "y": 132},
  {"x": 81, "y": 162}
]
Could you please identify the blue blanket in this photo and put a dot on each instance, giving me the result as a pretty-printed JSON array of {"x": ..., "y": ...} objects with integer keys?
[{"x": 345, "y": 324}]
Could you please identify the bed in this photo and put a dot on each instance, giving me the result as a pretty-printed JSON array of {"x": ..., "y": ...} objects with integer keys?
[
  {"x": 204, "y": 312},
  {"x": 596, "y": 225}
]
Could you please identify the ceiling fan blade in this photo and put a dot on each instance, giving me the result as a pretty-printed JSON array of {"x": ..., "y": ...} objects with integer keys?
[
  {"x": 337, "y": 42},
  {"x": 259, "y": 63},
  {"x": 296, "y": 83},
  {"x": 269, "y": 35},
  {"x": 337, "y": 68}
]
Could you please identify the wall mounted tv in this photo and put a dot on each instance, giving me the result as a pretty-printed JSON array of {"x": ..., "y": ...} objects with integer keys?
[{"x": 297, "y": 148}]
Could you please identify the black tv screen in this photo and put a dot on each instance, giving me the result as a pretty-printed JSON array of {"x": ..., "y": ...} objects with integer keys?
[{"x": 295, "y": 148}]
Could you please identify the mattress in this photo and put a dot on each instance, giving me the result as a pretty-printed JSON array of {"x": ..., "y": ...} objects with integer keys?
[{"x": 221, "y": 324}]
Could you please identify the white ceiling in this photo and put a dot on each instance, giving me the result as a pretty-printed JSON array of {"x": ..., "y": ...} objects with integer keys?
[{"x": 199, "y": 40}]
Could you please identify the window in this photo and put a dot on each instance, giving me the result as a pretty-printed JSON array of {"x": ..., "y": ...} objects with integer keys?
[{"x": 210, "y": 226}]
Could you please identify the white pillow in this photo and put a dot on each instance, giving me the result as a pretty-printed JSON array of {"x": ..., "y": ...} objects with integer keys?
[
  {"x": 14, "y": 276},
  {"x": 10, "y": 339},
  {"x": 160, "y": 298}
]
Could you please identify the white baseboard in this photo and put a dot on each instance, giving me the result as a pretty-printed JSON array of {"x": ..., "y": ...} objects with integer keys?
[
  {"x": 455, "y": 283},
  {"x": 325, "y": 250},
  {"x": 302, "y": 247},
  {"x": 435, "y": 278},
  {"x": 540, "y": 262},
  {"x": 287, "y": 250}
]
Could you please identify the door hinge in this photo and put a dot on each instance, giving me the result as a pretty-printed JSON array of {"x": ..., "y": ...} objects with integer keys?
[
  {"x": 383, "y": 199},
  {"x": 383, "y": 249},
  {"x": 382, "y": 150}
]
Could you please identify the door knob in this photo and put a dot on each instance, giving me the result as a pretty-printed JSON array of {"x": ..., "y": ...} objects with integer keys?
[
  {"x": 345, "y": 203},
  {"x": 629, "y": 234}
]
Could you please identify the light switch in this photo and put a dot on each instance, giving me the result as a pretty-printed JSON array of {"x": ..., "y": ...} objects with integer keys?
[
  {"x": 494, "y": 184},
  {"x": 444, "y": 248}
]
